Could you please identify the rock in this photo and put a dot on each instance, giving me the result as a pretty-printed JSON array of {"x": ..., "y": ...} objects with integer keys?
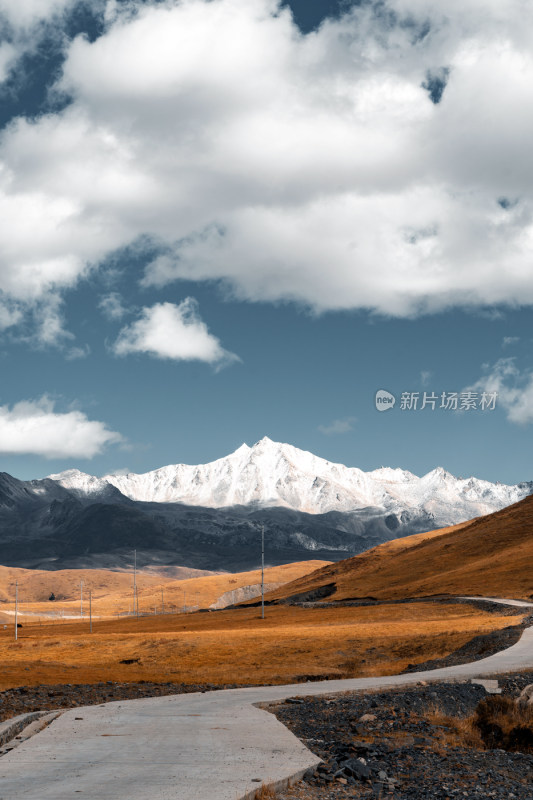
[
  {"x": 526, "y": 696},
  {"x": 368, "y": 718},
  {"x": 357, "y": 769},
  {"x": 490, "y": 686}
]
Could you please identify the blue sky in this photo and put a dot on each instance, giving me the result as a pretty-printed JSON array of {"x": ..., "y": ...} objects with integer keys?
[{"x": 255, "y": 222}]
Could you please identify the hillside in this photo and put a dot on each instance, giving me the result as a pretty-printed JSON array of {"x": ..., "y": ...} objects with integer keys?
[
  {"x": 35, "y": 585},
  {"x": 112, "y": 591},
  {"x": 491, "y": 556}
]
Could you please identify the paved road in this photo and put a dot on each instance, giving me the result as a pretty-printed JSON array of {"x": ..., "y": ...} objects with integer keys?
[
  {"x": 502, "y": 601},
  {"x": 190, "y": 747}
]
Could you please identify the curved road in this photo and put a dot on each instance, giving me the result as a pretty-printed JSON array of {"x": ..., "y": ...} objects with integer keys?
[{"x": 217, "y": 745}]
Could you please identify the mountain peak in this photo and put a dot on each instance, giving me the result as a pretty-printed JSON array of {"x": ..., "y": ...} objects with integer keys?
[
  {"x": 265, "y": 442},
  {"x": 440, "y": 473},
  {"x": 68, "y": 473},
  {"x": 273, "y": 474},
  {"x": 242, "y": 449}
]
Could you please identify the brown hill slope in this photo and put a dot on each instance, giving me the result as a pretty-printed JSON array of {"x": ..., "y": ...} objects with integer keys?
[
  {"x": 112, "y": 591},
  {"x": 35, "y": 585},
  {"x": 490, "y": 556}
]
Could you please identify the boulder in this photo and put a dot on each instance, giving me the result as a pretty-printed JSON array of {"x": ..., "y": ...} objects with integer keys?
[{"x": 526, "y": 696}]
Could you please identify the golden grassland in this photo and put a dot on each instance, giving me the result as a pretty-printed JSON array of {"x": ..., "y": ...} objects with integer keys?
[
  {"x": 488, "y": 556},
  {"x": 112, "y": 591},
  {"x": 237, "y": 646}
]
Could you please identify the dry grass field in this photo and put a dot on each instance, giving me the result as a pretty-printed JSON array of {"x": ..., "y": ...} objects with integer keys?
[
  {"x": 112, "y": 591},
  {"x": 237, "y": 646},
  {"x": 488, "y": 556}
]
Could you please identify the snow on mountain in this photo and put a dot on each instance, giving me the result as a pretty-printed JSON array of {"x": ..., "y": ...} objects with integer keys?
[
  {"x": 271, "y": 474},
  {"x": 80, "y": 482}
]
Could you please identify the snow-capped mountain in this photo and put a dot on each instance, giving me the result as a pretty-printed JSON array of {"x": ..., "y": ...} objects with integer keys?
[
  {"x": 271, "y": 474},
  {"x": 211, "y": 516}
]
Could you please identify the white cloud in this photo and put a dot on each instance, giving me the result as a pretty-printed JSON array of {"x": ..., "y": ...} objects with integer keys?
[
  {"x": 75, "y": 353},
  {"x": 510, "y": 340},
  {"x": 112, "y": 306},
  {"x": 425, "y": 377},
  {"x": 338, "y": 426},
  {"x": 24, "y": 24},
  {"x": 34, "y": 427},
  {"x": 7, "y": 55},
  {"x": 312, "y": 168},
  {"x": 10, "y": 314},
  {"x": 513, "y": 387},
  {"x": 175, "y": 332},
  {"x": 24, "y": 14}
]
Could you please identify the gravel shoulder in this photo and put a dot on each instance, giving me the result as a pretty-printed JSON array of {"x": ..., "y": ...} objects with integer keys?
[{"x": 381, "y": 744}]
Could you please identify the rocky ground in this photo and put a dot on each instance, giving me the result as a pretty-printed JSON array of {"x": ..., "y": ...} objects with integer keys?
[{"x": 390, "y": 745}]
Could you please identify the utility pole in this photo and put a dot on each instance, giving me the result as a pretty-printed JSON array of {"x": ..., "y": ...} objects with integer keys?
[
  {"x": 262, "y": 571},
  {"x": 16, "y": 608},
  {"x": 135, "y": 599},
  {"x": 81, "y": 598},
  {"x": 90, "y": 611}
]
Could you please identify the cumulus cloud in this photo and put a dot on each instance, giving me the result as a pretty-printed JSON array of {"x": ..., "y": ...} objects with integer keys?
[
  {"x": 173, "y": 332},
  {"x": 34, "y": 427},
  {"x": 338, "y": 426},
  {"x": 381, "y": 162},
  {"x": 513, "y": 387}
]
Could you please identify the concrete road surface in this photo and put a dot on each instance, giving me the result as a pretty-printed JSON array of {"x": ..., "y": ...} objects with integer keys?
[{"x": 212, "y": 746}]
